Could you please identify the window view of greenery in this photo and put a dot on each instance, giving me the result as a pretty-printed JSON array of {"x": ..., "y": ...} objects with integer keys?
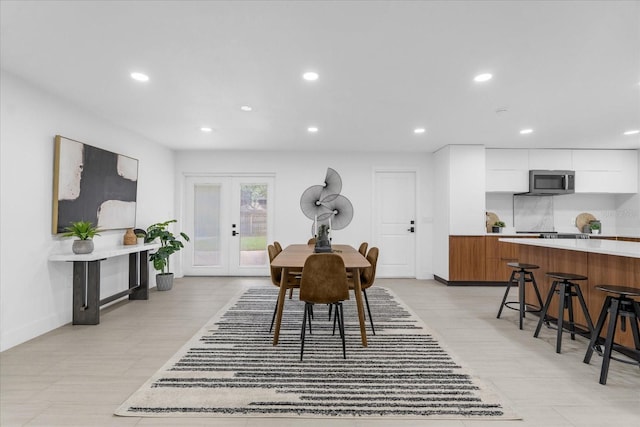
[{"x": 253, "y": 224}]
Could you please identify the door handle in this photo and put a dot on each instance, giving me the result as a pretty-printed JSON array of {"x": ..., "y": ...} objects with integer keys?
[
  {"x": 412, "y": 229},
  {"x": 235, "y": 233}
]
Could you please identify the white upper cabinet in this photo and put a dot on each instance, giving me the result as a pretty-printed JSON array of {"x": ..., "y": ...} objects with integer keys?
[
  {"x": 597, "y": 171},
  {"x": 507, "y": 171},
  {"x": 551, "y": 159},
  {"x": 606, "y": 171}
]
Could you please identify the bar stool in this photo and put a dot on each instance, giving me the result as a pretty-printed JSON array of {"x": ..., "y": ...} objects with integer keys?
[
  {"x": 520, "y": 276},
  {"x": 566, "y": 290},
  {"x": 617, "y": 306}
]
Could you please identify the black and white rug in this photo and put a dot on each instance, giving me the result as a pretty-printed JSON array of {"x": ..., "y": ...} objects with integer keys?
[{"x": 230, "y": 368}]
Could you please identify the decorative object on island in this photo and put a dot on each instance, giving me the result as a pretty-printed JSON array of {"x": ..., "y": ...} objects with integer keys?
[
  {"x": 93, "y": 184},
  {"x": 595, "y": 227},
  {"x": 497, "y": 226},
  {"x": 323, "y": 242},
  {"x": 170, "y": 244},
  {"x": 85, "y": 232},
  {"x": 130, "y": 237},
  {"x": 325, "y": 205}
]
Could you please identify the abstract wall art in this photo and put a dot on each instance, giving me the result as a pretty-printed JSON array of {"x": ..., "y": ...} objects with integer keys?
[{"x": 92, "y": 184}]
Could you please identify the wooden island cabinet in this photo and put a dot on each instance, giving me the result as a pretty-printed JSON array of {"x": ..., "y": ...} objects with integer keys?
[{"x": 601, "y": 261}]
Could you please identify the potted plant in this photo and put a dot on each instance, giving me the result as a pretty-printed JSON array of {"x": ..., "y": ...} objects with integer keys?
[
  {"x": 170, "y": 244},
  {"x": 497, "y": 226},
  {"x": 595, "y": 227},
  {"x": 84, "y": 231}
]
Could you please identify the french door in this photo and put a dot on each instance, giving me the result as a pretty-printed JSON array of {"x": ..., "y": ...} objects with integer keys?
[{"x": 230, "y": 221}]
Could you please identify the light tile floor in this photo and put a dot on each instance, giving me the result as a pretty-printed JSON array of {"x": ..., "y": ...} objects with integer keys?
[{"x": 78, "y": 375}]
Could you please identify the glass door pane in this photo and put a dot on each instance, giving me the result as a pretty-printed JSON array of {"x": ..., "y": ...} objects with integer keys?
[
  {"x": 253, "y": 224},
  {"x": 206, "y": 225}
]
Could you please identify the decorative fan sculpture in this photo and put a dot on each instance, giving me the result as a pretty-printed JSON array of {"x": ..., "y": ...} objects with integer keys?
[{"x": 325, "y": 205}]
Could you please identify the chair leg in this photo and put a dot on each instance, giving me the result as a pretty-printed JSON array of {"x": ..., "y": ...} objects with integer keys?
[
  {"x": 561, "y": 300},
  {"x": 535, "y": 288},
  {"x": 545, "y": 308},
  {"x": 304, "y": 328},
  {"x": 341, "y": 326},
  {"x": 569, "y": 306},
  {"x": 506, "y": 293},
  {"x": 275, "y": 310},
  {"x": 597, "y": 330},
  {"x": 366, "y": 300},
  {"x": 290, "y": 293},
  {"x": 521, "y": 280},
  {"x": 583, "y": 304},
  {"x": 608, "y": 345}
]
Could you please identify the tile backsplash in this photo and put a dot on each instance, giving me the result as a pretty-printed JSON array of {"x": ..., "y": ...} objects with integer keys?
[{"x": 557, "y": 212}]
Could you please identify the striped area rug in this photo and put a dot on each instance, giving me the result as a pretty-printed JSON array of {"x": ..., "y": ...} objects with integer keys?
[{"x": 230, "y": 368}]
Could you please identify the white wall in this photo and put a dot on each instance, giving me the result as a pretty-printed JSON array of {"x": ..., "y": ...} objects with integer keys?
[
  {"x": 35, "y": 294},
  {"x": 295, "y": 172}
]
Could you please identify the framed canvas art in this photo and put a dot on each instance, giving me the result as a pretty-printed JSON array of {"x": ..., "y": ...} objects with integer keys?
[{"x": 92, "y": 184}]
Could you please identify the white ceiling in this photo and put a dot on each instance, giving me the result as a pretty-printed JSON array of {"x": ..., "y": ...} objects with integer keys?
[{"x": 569, "y": 70}]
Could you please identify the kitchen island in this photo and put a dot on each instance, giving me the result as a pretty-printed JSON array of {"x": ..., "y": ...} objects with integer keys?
[{"x": 611, "y": 262}]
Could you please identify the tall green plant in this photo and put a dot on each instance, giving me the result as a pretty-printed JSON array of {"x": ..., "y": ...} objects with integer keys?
[{"x": 170, "y": 244}]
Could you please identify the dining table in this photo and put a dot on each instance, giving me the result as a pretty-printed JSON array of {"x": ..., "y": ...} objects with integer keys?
[{"x": 293, "y": 257}]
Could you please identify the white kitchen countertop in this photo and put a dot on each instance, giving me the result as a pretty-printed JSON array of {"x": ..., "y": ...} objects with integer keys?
[{"x": 598, "y": 246}]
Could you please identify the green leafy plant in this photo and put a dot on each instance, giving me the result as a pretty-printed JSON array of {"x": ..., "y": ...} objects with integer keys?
[
  {"x": 83, "y": 230},
  {"x": 499, "y": 224},
  {"x": 594, "y": 226},
  {"x": 170, "y": 244}
]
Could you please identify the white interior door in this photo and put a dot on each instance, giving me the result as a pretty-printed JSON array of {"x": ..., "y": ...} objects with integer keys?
[
  {"x": 230, "y": 220},
  {"x": 394, "y": 222}
]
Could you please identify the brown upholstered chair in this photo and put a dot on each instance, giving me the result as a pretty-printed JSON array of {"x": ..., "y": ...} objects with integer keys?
[
  {"x": 278, "y": 246},
  {"x": 295, "y": 274},
  {"x": 367, "y": 277},
  {"x": 276, "y": 274},
  {"x": 324, "y": 281},
  {"x": 311, "y": 241},
  {"x": 363, "y": 248}
]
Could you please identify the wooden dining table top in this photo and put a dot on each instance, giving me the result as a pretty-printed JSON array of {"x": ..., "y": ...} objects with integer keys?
[{"x": 294, "y": 256}]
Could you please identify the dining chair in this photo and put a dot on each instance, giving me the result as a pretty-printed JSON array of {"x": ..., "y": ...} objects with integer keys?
[
  {"x": 295, "y": 274},
  {"x": 276, "y": 275},
  {"x": 324, "y": 281},
  {"x": 367, "y": 277},
  {"x": 363, "y": 248},
  {"x": 311, "y": 241}
]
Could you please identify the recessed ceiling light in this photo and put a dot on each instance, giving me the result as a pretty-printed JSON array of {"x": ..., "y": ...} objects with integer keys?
[
  {"x": 526, "y": 131},
  {"x": 483, "y": 77},
  {"x": 312, "y": 129},
  {"x": 140, "y": 77},
  {"x": 310, "y": 76},
  {"x": 246, "y": 108},
  {"x": 632, "y": 132},
  {"x": 206, "y": 129},
  {"x": 419, "y": 130}
]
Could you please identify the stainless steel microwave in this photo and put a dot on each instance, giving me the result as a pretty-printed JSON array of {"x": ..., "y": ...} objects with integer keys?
[{"x": 551, "y": 182}]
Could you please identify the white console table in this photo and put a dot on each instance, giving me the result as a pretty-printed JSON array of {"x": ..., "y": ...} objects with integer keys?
[{"x": 86, "y": 279}]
